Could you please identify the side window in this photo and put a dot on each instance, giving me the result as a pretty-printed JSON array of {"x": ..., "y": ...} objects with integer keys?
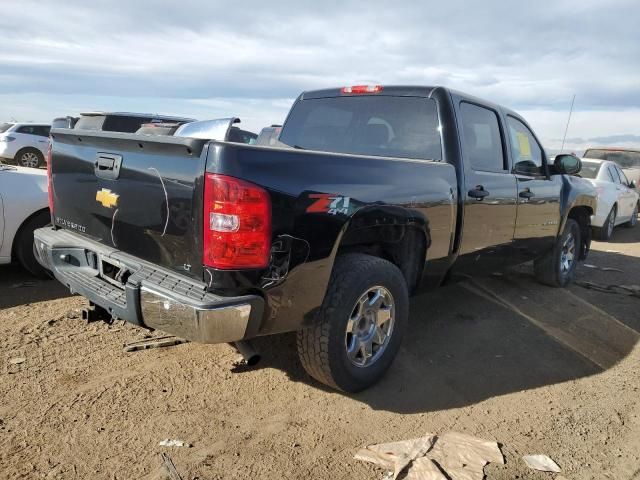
[
  {"x": 482, "y": 145},
  {"x": 527, "y": 153},
  {"x": 28, "y": 129},
  {"x": 614, "y": 173},
  {"x": 623, "y": 177},
  {"x": 41, "y": 130}
]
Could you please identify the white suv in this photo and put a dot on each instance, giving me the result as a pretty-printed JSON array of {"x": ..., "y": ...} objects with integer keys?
[{"x": 24, "y": 143}]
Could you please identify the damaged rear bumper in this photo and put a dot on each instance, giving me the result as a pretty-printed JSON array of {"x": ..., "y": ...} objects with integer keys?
[{"x": 145, "y": 294}]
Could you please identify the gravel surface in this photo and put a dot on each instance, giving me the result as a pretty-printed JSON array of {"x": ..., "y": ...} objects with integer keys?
[{"x": 542, "y": 371}]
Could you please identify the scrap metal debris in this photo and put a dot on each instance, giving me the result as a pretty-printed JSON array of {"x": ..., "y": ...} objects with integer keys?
[
  {"x": 171, "y": 468},
  {"x": 631, "y": 290},
  {"x": 154, "y": 342},
  {"x": 174, "y": 443},
  {"x": 541, "y": 463},
  {"x": 24, "y": 284},
  {"x": 452, "y": 456},
  {"x": 603, "y": 269}
]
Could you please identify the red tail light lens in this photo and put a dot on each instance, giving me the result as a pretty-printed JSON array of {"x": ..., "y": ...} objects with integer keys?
[
  {"x": 363, "y": 89},
  {"x": 237, "y": 224},
  {"x": 49, "y": 179}
]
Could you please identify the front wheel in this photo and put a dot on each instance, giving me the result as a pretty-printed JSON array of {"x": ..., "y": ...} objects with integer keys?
[
  {"x": 358, "y": 330},
  {"x": 557, "y": 268},
  {"x": 604, "y": 233}
]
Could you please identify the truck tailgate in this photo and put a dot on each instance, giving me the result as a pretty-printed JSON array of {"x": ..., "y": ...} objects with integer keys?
[{"x": 138, "y": 194}]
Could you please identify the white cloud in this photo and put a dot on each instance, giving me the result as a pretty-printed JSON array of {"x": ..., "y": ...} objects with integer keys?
[{"x": 207, "y": 58}]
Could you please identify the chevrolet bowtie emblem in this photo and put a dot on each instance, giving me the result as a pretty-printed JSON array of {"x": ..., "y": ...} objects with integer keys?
[{"x": 107, "y": 198}]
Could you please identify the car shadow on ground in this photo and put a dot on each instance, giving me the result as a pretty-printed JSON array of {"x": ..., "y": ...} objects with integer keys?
[
  {"x": 491, "y": 336},
  {"x": 18, "y": 287}
]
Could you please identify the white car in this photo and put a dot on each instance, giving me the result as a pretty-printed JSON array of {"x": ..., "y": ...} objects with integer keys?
[
  {"x": 617, "y": 199},
  {"x": 24, "y": 206},
  {"x": 24, "y": 143}
]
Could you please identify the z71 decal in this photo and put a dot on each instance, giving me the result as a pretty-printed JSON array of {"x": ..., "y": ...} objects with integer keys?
[{"x": 329, "y": 203}]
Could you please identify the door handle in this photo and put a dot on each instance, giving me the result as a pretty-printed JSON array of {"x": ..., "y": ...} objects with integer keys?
[
  {"x": 526, "y": 194},
  {"x": 478, "y": 193}
]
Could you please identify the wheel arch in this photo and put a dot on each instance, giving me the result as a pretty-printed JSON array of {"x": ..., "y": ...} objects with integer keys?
[
  {"x": 27, "y": 148},
  {"x": 582, "y": 215},
  {"x": 396, "y": 234},
  {"x": 20, "y": 229}
]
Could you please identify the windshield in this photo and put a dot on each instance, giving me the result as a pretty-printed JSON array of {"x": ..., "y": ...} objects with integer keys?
[
  {"x": 405, "y": 127},
  {"x": 5, "y": 126},
  {"x": 624, "y": 159},
  {"x": 590, "y": 169}
]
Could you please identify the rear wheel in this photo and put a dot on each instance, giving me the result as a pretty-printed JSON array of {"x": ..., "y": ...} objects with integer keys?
[
  {"x": 29, "y": 157},
  {"x": 633, "y": 221},
  {"x": 604, "y": 233},
  {"x": 23, "y": 242},
  {"x": 558, "y": 267},
  {"x": 359, "y": 327}
]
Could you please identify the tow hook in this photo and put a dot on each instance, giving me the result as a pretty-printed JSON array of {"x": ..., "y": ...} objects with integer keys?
[{"x": 95, "y": 313}]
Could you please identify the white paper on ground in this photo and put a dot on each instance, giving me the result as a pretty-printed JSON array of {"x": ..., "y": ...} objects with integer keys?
[
  {"x": 542, "y": 463},
  {"x": 459, "y": 456}
]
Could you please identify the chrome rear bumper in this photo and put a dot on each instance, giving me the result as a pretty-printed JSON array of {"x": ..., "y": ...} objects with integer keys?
[{"x": 152, "y": 296}]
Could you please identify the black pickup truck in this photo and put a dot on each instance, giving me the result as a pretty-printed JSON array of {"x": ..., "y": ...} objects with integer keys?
[{"x": 370, "y": 194}]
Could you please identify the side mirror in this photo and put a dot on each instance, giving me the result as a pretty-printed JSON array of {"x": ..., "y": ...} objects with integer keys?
[
  {"x": 567, "y": 164},
  {"x": 633, "y": 184}
]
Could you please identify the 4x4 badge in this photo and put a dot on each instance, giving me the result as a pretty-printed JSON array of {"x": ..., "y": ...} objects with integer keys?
[{"x": 107, "y": 198}]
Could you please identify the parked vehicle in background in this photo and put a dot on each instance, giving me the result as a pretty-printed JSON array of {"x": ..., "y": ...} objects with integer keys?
[
  {"x": 164, "y": 128},
  {"x": 24, "y": 143},
  {"x": 379, "y": 193},
  {"x": 64, "y": 122},
  {"x": 627, "y": 159},
  {"x": 218, "y": 129},
  {"x": 125, "y": 122},
  {"x": 268, "y": 136},
  {"x": 617, "y": 198},
  {"x": 23, "y": 208}
]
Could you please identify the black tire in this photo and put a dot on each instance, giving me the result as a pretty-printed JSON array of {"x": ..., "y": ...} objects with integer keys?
[
  {"x": 322, "y": 346},
  {"x": 634, "y": 219},
  {"x": 23, "y": 244},
  {"x": 604, "y": 233},
  {"x": 29, "y": 157},
  {"x": 550, "y": 269}
]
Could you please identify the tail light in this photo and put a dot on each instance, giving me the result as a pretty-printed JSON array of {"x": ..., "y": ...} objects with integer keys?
[
  {"x": 362, "y": 89},
  {"x": 237, "y": 224},
  {"x": 49, "y": 178}
]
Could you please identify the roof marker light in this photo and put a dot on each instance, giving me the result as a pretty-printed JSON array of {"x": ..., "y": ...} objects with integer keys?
[{"x": 362, "y": 89}]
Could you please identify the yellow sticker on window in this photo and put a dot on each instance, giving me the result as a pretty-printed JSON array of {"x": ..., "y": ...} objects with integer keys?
[{"x": 524, "y": 146}]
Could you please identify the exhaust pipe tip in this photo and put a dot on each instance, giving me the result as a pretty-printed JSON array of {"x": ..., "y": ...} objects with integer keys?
[{"x": 251, "y": 357}]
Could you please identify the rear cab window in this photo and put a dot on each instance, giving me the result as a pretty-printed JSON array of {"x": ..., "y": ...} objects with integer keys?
[
  {"x": 373, "y": 125},
  {"x": 90, "y": 122}
]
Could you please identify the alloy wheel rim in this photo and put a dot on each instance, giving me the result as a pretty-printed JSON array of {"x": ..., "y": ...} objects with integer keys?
[
  {"x": 370, "y": 326},
  {"x": 29, "y": 159},
  {"x": 568, "y": 253}
]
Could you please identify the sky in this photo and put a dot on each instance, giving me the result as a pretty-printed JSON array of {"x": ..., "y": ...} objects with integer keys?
[{"x": 210, "y": 59}]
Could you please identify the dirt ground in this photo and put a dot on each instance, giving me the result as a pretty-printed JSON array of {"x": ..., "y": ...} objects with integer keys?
[{"x": 537, "y": 369}]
